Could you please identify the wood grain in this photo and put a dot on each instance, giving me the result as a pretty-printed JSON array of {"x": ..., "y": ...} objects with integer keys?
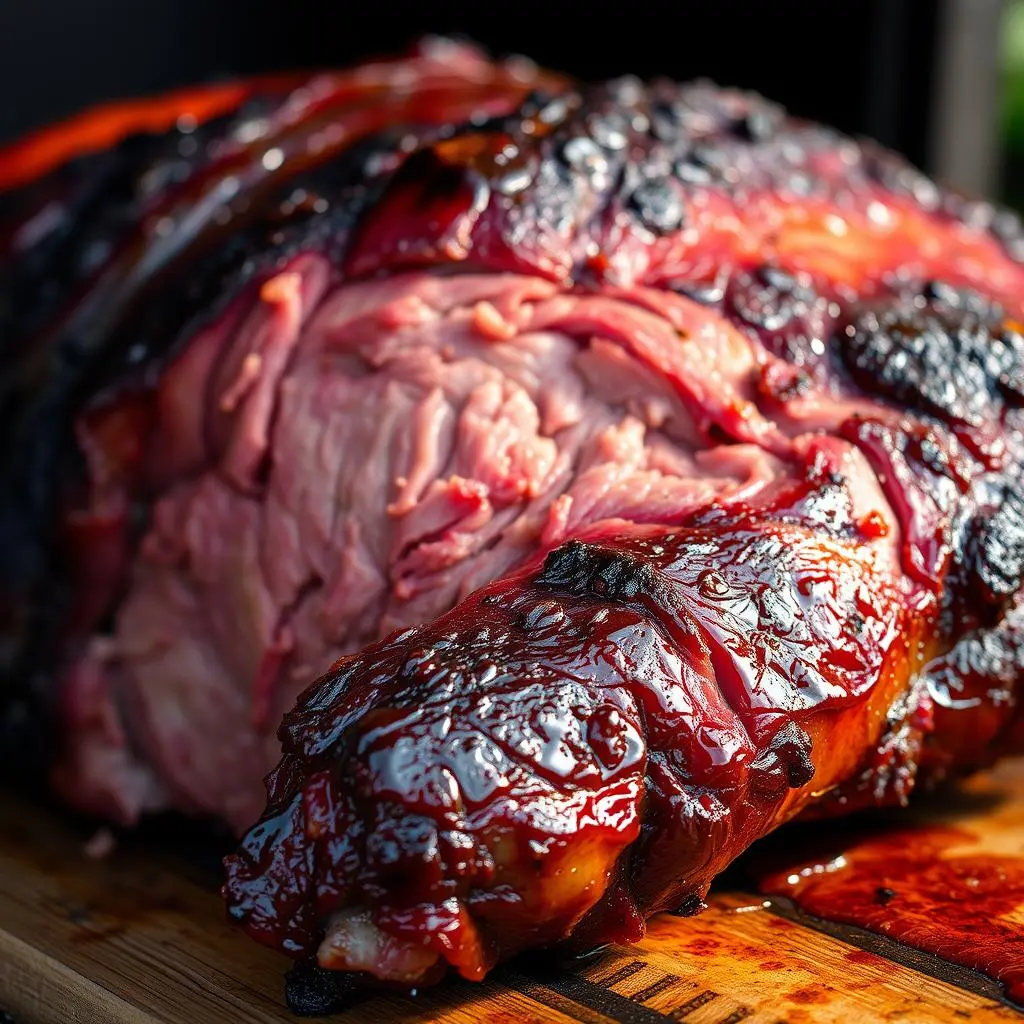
[{"x": 141, "y": 938}]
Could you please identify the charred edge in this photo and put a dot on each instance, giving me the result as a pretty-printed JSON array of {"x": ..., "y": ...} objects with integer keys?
[
  {"x": 783, "y": 312},
  {"x": 96, "y": 199},
  {"x": 690, "y": 907},
  {"x": 658, "y": 206},
  {"x": 896, "y": 952},
  {"x": 311, "y": 991},
  {"x": 947, "y": 352},
  {"x": 995, "y": 549},
  {"x": 584, "y": 569}
]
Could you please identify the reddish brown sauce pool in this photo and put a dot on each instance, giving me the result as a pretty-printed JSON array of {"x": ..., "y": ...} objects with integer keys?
[{"x": 967, "y": 909}]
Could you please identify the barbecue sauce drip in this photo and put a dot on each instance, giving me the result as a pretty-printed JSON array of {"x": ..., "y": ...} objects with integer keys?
[{"x": 912, "y": 886}]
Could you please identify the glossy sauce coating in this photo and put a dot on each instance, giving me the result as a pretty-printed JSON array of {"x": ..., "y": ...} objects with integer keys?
[{"x": 504, "y": 757}]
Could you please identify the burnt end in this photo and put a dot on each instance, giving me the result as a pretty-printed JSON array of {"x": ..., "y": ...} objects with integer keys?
[
  {"x": 786, "y": 314},
  {"x": 658, "y": 206},
  {"x": 976, "y": 691},
  {"x": 994, "y": 552},
  {"x": 313, "y": 991},
  {"x": 587, "y": 569},
  {"x": 709, "y": 292},
  {"x": 827, "y": 505},
  {"x": 690, "y": 907},
  {"x": 767, "y": 298},
  {"x": 784, "y": 763},
  {"x": 946, "y": 353}
]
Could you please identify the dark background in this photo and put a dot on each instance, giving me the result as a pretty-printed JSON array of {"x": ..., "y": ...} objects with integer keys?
[{"x": 864, "y": 65}]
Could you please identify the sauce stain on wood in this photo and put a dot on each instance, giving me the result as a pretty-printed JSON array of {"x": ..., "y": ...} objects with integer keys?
[{"x": 952, "y": 893}]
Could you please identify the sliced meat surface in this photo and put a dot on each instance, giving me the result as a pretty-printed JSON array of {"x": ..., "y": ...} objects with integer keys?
[{"x": 392, "y": 451}]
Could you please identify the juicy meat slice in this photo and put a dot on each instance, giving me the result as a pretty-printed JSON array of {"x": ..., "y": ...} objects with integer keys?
[{"x": 649, "y": 460}]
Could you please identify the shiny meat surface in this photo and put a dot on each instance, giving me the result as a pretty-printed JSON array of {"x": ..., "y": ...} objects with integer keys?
[
  {"x": 576, "y": 747},
  {"x": 651, "y": 462}
]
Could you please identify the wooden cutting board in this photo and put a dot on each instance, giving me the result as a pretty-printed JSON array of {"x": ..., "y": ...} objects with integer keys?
[{"x": 140, "y": 937}]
